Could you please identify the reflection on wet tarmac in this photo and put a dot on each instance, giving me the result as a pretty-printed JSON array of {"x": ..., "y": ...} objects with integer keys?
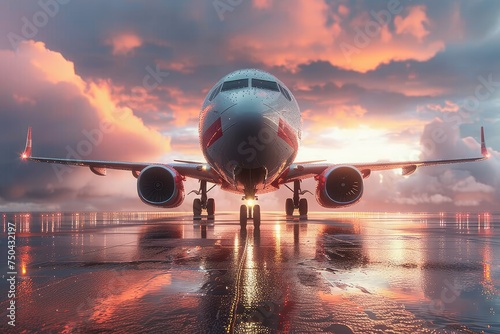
[{"x": 336, "y": 273}]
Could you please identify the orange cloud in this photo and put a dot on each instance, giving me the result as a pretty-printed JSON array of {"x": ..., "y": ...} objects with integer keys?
[
  {"x": 448, "y": 106},
  {"x": 34, "y": 69},
  {"x": 124, "y": 43},
  {"x": 385, "y": 49},
  {"x": 262, "y": 4},
  {"x": 343, "y": 10},
  {"x": 139, "y": 98},
  {"x": 121, "y": 118},
  {"x": 349, "y": 39},
  {"x": 76, "y": 118},
  {"x": 413, "y": 24},
  {"x": 339, "y": 115},
  {"x": 185, "y": 65},
  {"x": 184, "y": 115},
  {"x": 184, "y": 108},
  {"x": 301, "y": 35},
  {"x": 51, "y": 65}
]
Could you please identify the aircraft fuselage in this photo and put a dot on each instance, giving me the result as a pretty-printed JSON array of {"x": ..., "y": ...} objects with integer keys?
[{"x": 250, "y": 128}]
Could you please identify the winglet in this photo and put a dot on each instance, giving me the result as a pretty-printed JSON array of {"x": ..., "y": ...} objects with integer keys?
[
  {"x": 27, "y": 150},
  {"x": 484, "y": 151}
]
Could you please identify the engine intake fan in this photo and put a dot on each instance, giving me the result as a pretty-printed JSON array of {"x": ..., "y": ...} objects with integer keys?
[
  {"x": 339, "y": 186},
  {"x": 160, "y": 186}
]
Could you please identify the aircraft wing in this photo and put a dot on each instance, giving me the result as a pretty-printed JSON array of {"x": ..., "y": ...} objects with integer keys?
[
  {"x": 196, "y": 170},
  {"x": 305, "y": 170}
]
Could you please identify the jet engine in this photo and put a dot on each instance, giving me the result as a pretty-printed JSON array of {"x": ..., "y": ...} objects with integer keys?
[
  {"x": 160, "y": 186},
  {"x": 339, "y": 186}
]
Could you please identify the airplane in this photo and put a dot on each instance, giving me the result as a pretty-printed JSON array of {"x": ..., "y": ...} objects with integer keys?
[{"x": 249, "y": 132}]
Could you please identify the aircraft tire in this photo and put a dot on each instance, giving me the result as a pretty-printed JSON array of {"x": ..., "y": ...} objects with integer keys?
[
  {"x": 243, "y": 216},
  {"x": 289, "y": 207},
  {"x": 303, "y": 209},
  {"x": 210, "y": 207},
  {"x": 197, "y": 208},
  {"x": 256, "y": 216}
]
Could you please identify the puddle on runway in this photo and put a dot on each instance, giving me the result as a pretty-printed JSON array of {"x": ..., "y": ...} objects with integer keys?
[{"x": 335, "y": 273}]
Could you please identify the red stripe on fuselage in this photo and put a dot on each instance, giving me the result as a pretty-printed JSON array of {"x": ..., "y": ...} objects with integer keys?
[
  {"x": 286, "y": 132},
  {"x": 213, "y": 133}
]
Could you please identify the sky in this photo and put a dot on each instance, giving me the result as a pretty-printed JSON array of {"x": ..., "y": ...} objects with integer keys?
[{"x": 125, "y": 80}]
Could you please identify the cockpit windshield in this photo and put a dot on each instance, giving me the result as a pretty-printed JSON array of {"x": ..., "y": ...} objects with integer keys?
[
  {"x": 265, "y": 84},
  {"x": 234, "y": 84},
  {"x": 256, "y": 83}
]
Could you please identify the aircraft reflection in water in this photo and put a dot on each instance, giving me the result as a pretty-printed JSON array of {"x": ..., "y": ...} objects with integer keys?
[{"x": 160, "y": 272}]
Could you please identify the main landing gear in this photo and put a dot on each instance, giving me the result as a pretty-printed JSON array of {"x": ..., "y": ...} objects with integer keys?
[
  {"x": 250, "y": 211},
  {"x": 203, "y": 203},
  {"x": 296, "y": 202}
]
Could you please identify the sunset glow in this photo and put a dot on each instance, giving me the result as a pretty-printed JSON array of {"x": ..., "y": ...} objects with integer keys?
[{"x": 374, "y": 81}]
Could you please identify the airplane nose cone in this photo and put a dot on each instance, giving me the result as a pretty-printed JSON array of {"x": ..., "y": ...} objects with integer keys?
[{"x": 250, "y": 135}]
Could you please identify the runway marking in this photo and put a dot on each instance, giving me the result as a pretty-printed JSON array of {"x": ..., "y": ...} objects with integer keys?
[{"x": 234, "y": 306}]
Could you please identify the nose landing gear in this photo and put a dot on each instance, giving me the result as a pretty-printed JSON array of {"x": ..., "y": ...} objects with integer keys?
[{"x": 250, "y": 211}]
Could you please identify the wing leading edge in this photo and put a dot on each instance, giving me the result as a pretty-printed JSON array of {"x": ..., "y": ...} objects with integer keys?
[
  {"x": 203, "y": 171},
  {"x": 304, "y": 171},
  {"x": 200, "y": 171}
]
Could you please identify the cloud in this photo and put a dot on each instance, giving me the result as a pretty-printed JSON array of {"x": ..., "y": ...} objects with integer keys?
[
  {"x": 414, "y": 23},
  {"x": 344, "y": 37},
  {"x": 340, "y": 115},
  {"x": 262, "y": 4},
  {"x": 444, "y": 188},
  {"x": 124, "y": 43},
  {"x": 70, "y": 117},
  {"x": 470, "y": 185},
  {"x": 379, "y": 101},
  {"x": 423, "y": 198}
]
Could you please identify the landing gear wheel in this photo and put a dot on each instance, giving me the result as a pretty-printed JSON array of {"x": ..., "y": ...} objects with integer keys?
[
  {"x": 210, "y": 208},
  {"x": 303, "y": 207},
  {"x": 289, "y": 207},
  {"x": 243, "y": 216},
  {"x": 196, "y": 208},
  {"x": 203, "y": 202},
  {"x": 256, "y": 216}
]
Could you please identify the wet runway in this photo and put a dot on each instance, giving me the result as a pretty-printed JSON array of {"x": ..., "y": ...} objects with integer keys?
[{"x": 335, "y": 273}]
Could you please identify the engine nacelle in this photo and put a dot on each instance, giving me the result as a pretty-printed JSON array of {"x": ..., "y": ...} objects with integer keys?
[
  {"x": 339, "y": 186},
  {"x": 160, "y": 186}
]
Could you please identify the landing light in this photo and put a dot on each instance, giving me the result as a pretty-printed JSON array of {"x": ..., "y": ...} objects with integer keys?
[{"x": 250, "y": 203}]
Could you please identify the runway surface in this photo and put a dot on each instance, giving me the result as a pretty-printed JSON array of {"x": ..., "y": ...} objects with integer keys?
[{"x": 335, "y": 273}]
